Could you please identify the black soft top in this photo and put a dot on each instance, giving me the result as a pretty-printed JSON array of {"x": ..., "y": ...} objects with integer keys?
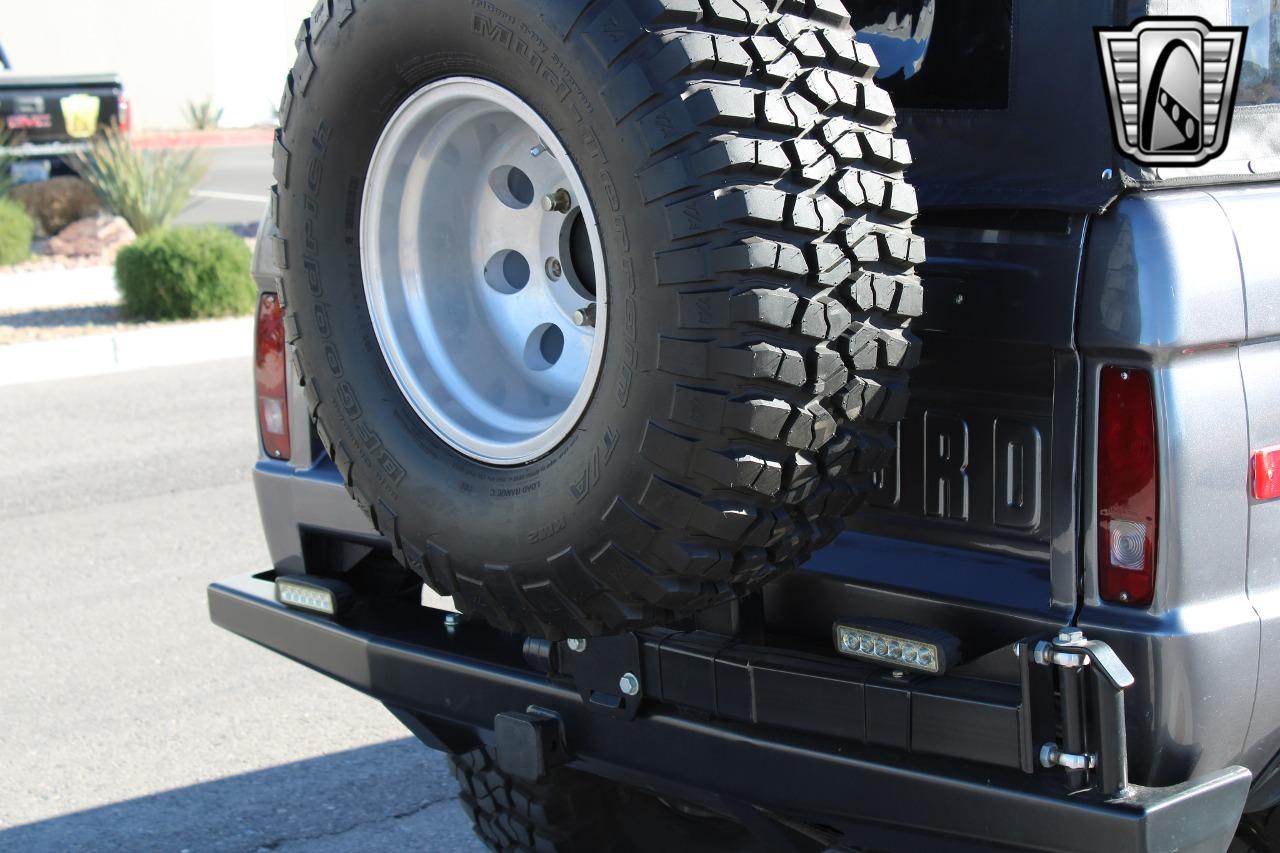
[{"x": 1005, "y": 105}]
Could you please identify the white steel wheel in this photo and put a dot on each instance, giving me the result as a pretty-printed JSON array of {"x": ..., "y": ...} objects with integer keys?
[{"x": 483, "y": 271}]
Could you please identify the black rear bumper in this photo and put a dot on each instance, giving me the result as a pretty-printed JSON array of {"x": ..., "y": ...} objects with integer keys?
[{"x": 450, "y": 684}]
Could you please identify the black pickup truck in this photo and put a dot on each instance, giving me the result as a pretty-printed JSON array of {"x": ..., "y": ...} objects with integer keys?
[{"x": 46, "y": 116}]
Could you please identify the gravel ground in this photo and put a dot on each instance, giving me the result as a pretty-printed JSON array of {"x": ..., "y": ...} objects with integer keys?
[{"x": 46, "y": 324}]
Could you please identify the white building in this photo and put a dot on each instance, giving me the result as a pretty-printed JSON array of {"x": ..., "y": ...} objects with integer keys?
[{"x": 168, "y": 52}]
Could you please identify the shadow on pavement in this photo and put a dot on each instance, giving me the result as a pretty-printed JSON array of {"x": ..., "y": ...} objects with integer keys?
[{"x": 307, "y": 801}]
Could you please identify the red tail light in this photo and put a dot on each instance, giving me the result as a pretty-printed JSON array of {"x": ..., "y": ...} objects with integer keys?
[
  {"x": 1128, "y": 487},
  {"x": 124, "y": 112},
  {"x": 269, "y": 377},
  {"x": 1266, "y": 474}
]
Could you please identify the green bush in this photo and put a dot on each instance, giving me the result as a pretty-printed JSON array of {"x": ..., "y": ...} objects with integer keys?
[
  {"x": 16, "y": 232},
  {"x": 147, "y": 188},
  {"x": 185, "y": 273},
  {"x": 203, "y": 115}
]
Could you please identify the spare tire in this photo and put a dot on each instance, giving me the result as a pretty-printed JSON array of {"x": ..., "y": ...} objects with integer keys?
[{"x": 601, "y": 307}]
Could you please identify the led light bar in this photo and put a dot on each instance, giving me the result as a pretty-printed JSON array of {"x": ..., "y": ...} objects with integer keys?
[
  {"x": 319, "y": 595},
  {"x": 897, "y": 645}
]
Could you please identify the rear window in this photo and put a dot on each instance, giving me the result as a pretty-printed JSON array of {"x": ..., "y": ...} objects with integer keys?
[
  {"x": 1260, "y": 67},
  {"x": 952, "y": 55}
]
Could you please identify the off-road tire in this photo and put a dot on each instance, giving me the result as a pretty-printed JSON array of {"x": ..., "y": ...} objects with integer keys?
[
  {"x": 574, "y": 812},
  {"x": 760, "y": 264},
  {"x": 1259, "y": 832}
]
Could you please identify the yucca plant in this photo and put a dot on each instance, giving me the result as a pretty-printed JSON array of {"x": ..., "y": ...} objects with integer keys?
[
  {"x": 202, "y": 114},
  {"x": 7, "y": 160},
  {"x": 147, "y": 188}
]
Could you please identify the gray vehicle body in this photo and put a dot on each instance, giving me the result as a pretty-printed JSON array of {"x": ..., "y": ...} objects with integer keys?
[
  {"x": 1185, "y": 283},
  {"x": 1024, "y": 307}
]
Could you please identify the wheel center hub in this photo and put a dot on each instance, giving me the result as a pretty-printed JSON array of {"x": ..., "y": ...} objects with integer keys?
[{"x": 482, "y": 267}]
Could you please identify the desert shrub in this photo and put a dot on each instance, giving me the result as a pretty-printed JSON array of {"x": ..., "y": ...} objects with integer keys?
[
  {"x": 16, "y": 232},
  {"x": 57, "y": 202},
  {"x": 185, "y": 273},
  {"x": 147, "y": 188},
  {"x": 203, "y": 115},
  {"x": 8, "y": 140}
]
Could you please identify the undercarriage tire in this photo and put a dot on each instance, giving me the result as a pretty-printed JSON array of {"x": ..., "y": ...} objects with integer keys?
[
  {"x": 759, "y": 270},
  {"x": 575, "y": 812},
  {"x": 1259, "y": 832}
]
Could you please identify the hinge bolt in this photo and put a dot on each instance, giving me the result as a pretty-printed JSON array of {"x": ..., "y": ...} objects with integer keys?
[
  {"x": 629, "y": 684},
  {"x": 1070, "y": 636}
]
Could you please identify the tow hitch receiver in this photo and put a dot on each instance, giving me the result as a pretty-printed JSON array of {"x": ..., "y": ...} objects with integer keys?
[{"x": 886, "y": 760}]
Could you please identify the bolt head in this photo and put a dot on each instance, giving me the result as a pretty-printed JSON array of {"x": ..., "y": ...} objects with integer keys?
[
  {"x": 1067, "y": 636},
  {"x": 558, "y": 201},
  {"x": 1049, "y": 755},
  {"x": 554, "y": 269},
  {"x": 452, "y": 620},
  {"x": 629, "y": 684},
  {"x": 577, "y": 645}
]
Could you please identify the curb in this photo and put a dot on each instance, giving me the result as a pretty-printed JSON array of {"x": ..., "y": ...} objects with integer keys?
[
  {"x": 95, "y": 355},
  {"x": 204, "y": 138}
]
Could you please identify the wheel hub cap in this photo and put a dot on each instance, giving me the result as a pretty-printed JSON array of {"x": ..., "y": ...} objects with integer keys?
[{"x": 483, "y": 271}]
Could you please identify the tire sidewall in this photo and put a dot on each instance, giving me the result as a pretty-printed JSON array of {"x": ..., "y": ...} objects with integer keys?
[{"x": 364, "y": 70}]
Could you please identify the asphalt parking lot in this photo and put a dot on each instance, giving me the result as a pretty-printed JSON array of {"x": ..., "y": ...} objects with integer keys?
[
  {"x": 234, "y": 189},
  {"x": 129, "y": 723}
]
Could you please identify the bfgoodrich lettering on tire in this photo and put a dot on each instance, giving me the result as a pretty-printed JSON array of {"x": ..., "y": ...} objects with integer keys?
[{"x": 601, "y": 306}]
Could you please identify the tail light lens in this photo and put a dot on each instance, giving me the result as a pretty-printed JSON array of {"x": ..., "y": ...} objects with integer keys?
[
  {"x": 1266, "y": 474},
  {"x": 1128, "y": 480},
  {"x": 269, "y": 377},
  {"x": 124, "y": 111}
]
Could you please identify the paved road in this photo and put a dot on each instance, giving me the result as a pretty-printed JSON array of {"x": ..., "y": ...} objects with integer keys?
[
  {"x": 234, "y": 191},
  {"x": 129, "y": 723}
]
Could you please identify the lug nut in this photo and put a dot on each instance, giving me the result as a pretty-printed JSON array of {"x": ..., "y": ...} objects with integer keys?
[
  {"x": 554, "y": 270},
  {"x": 557, "y": 202},
  {"x": 585, "y": 316},
  {"x": 629, "y": 684}
]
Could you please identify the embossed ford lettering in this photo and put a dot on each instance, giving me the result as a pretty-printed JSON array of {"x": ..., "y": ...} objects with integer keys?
[{"x": 947, "y": 456}]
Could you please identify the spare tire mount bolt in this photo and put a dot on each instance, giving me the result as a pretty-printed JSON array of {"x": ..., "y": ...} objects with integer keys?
[
  {"x": 629, "y": 684},
  {"x": 585, "y": 316},
  {"x": 557, "y": 202},
  {"x": 554, "y": 270}
]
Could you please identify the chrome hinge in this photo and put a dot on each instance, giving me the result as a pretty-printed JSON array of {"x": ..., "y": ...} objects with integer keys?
[{"x": 1090, "y": 681}]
